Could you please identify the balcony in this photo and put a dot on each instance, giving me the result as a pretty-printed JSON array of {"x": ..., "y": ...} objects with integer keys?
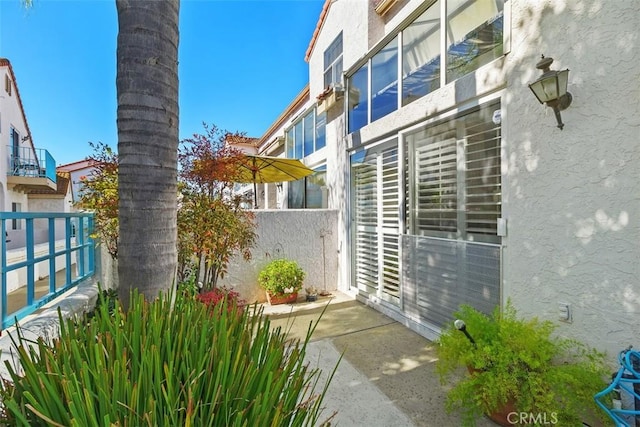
[{"x": 30, "y": 169}]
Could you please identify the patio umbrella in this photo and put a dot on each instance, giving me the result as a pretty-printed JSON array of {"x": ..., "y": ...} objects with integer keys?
[{"x": 265, "y": 169}]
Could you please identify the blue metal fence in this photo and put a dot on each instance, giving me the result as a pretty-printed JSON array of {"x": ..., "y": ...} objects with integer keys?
[{"x": 73, "y": 231}]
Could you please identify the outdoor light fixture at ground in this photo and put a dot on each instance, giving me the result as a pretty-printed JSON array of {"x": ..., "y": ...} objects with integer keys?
[{"x": 551, "y": 88}]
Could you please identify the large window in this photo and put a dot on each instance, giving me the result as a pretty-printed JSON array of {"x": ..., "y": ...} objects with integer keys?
[
  {"x": 333, "y": 63},
  {"x": 306, "y": 135},
  {"x": 358, "y": 98},
  {"x": 309, "y": 192},
  {"x": 384, "y": 81},
  {"x": 454, "y": 178},
  {"x": 474, "y": 35},
  {"x": 421, "y": 55},
  {"x": 474, "y": 30}
]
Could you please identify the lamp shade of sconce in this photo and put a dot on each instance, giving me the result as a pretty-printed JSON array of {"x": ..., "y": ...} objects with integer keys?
[{"x": 551, "y": 88}]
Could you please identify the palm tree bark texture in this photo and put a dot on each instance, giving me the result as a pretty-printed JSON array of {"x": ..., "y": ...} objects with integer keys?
[{"x": 147, "y": 119}]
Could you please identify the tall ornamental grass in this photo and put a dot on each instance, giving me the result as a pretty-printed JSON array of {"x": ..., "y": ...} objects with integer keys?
[{"x": 159, "y": 365}]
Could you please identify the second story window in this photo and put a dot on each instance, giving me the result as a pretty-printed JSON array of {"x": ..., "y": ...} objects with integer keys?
[
  {"x": 7, "y": 84},
  {"x": 474, "y": 36},
  {"x": 333, "y": 63},
  {"x": 306, "y": 135}
]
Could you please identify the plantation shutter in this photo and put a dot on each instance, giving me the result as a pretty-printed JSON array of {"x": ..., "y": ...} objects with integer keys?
[
  {"x": 365, "y": 215},
  {"x": 455, "y": 188},
  {"x": 482, "y": 177},
  {"x": 375, "y": 219}
]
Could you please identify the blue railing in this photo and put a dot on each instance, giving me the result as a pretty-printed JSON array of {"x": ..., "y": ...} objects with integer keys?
[
  {"x": 25, "y": 161},
  {"x": 69, "y": 240}
]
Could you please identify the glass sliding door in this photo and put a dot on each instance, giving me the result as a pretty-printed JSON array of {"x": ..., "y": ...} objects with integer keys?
[{"x": 375, "y": 218}]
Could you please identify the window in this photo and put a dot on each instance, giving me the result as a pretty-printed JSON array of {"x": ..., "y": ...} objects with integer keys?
[
  {"x": 421, "y": 55},
  {"x": 454, "y": 178},
  {"x": 357, "y": 99},
  {"x": 474, "y": 35},
  {"x": 309, "y": 192},
  {"x": 321, "y": 123},
  {"x": 333, "y": 63},
  {"x": 384, "y": 81},
  {"x": 289, "y": 140},
  {"x": 297, "y": 135},
  {"x": 7, "y": 84},
  {"x": 306, "y": 135},
  {"x": 16, "y": 224}
]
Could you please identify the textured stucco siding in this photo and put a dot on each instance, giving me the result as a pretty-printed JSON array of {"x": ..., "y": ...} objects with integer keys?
[
  {"x": 572, "y": 197},
  {"x": 293, "y": 234}
]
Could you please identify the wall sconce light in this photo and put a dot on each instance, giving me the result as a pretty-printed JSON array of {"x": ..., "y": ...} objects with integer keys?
[{"x": 551, "y": 88}]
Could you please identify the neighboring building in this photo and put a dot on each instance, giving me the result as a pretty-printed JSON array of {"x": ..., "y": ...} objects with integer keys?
[
  {"x": 453, "y": 183},
  {"x": 78, "y": 171},
  {"x": 25, "y": 171}
]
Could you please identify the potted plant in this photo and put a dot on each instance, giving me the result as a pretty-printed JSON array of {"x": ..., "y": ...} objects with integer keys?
[
  {"x": 282, "y": 280},
  {"x": 504, "y": 366}
]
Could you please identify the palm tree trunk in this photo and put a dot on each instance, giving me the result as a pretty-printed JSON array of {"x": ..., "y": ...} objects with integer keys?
[{"x": 147, "y": 88}]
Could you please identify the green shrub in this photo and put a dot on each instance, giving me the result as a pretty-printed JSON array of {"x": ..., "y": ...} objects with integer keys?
[
  {"x": 281, "y": 276},
  {"x": 159, "y": 365},
  {"x": 519, "y": 361}
]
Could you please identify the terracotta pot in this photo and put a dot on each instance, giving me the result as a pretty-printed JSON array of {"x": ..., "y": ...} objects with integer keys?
[
  {"x": 275, "y": 299},
  {"x": 501, "y": 415}
]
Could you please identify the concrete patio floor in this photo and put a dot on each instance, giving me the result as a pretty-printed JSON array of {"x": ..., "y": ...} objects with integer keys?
[{"x": 387, "y": 374}]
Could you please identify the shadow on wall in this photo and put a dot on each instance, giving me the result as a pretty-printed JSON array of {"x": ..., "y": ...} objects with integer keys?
[{"x": 308, "y": 236}]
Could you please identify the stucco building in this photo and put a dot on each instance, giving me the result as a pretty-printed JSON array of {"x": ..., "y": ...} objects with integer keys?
[{"x": 453, "y": 183}]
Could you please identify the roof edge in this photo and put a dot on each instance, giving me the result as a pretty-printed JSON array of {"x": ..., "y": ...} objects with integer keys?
[{"x": 316, "y": 32}]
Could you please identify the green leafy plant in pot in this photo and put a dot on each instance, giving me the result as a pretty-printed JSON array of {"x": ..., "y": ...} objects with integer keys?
[
  {"x": 282, "y": 280},
  {"x": 516, "y": 366}
]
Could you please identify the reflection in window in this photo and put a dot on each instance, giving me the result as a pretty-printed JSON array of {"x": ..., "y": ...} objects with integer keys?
[
  {"x": 308, "y": 133},
  {"x": 321, "y": 122},
  {"x": 421, "y": 55},
  {"x": 316, "y": 189},
  {"x": 384, "y": 81},
  {"x": 455, "y": 179},
  {"x": 297, "y": 134},
  {"x": 290, "y": 144},
  {"x": 309, "y": 192},
  {"x": 357, "y": 99},
  {"x": 296, "y": 194},
  {"x": 333, "y": 62},
  {"x": 474, "y": 35}
]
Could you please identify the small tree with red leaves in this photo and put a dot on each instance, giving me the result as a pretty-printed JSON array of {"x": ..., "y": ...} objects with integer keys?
[
  {"x": 99, "y": 194},
  {"x": 212, "y": 223}
]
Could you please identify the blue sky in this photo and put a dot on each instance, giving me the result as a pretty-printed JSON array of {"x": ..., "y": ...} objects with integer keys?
[{"x": 241, "y": 64}]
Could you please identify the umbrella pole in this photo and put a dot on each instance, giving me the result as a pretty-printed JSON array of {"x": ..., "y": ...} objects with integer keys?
[
  {"x": 255, "y": 195},
  {"x": 255, "y": 186}
]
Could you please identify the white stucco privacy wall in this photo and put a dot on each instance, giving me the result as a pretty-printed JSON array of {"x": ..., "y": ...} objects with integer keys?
[
  {"x": 308, "y": 236},
  {"x": 571, "y": 197}
]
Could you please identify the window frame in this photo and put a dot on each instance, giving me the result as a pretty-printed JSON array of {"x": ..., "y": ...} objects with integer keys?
[
  {"x": 333, "y": 66},
  {"x": 366, "y": 61},
  {"x": 463, "y": 216}
]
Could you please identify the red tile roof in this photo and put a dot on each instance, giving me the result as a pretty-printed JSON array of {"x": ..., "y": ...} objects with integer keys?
[
  {"x": 75, "y": 166},
  {"x": 316, "y": 32}
]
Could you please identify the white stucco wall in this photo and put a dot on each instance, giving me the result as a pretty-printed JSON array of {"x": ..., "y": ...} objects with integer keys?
[
  {"x": 572, "y": 197},
  {"x": 294, "y": 234}
]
